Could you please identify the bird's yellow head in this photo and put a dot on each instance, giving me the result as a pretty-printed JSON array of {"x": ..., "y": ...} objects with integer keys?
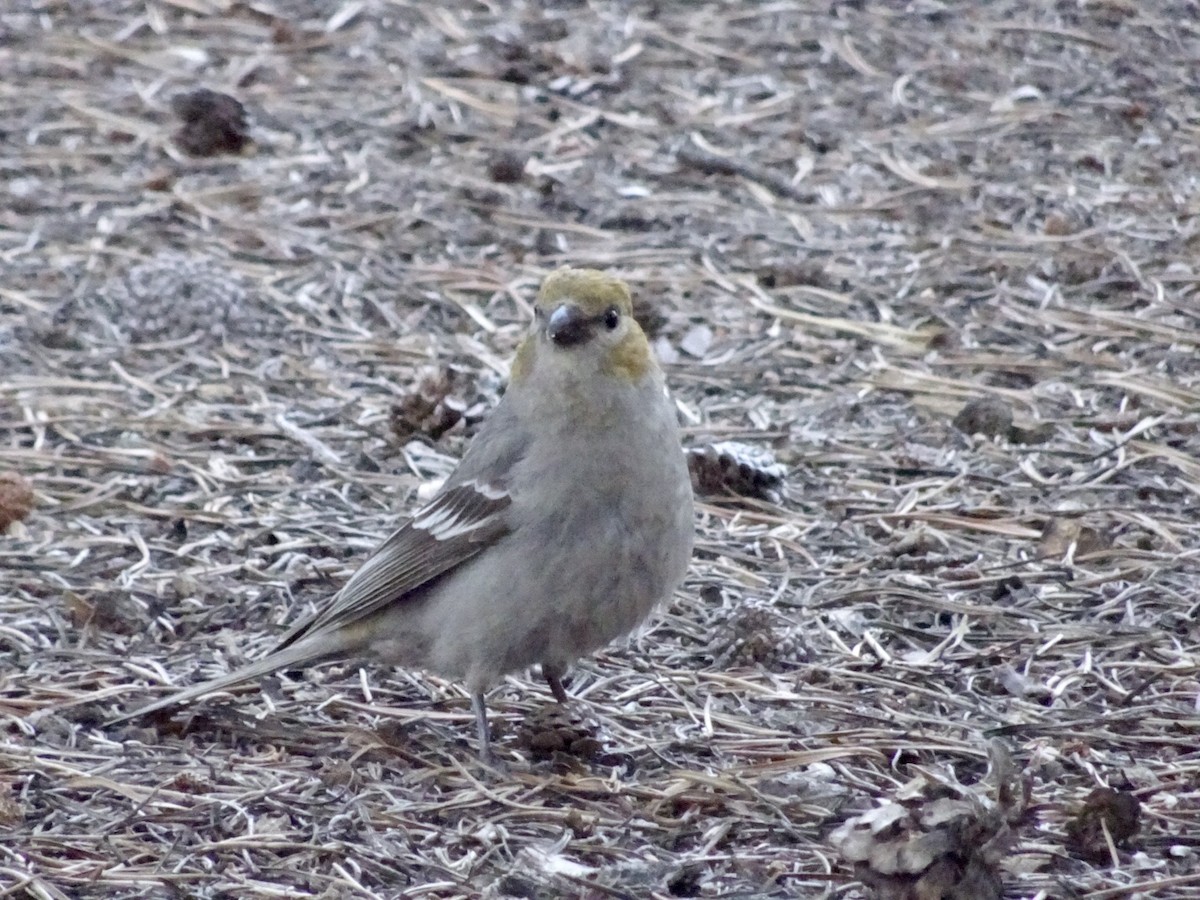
[{"x": 585, "y": 318}]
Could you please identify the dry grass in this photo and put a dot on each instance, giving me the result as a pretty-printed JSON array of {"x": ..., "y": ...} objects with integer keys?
[{"x": 880, "y": 215}]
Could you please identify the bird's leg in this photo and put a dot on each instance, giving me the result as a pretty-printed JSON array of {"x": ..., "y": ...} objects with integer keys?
[
  {"x": 479, "y": 705},
  {"x": 553, "y": 675}
]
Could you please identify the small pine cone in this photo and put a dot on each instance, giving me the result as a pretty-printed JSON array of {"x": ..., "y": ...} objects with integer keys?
[
  {"x": 555, "y": 729},
  {"x": 171, "y": 298},
  {"x": 731, "y": 467},
  {"x": 427, "y": 408},
  {"x": 755, "y": 636},
  {"x": 1105, "y": 814}
]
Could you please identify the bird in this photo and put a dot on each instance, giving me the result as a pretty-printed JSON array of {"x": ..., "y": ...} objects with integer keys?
[{"x": 568, "y": 520}]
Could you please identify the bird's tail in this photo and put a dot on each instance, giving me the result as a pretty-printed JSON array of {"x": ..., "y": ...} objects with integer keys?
[{"x": 302, "y": 654}]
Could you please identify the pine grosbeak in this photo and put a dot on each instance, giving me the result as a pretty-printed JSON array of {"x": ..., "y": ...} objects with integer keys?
[{"x": 568, "y": 520}]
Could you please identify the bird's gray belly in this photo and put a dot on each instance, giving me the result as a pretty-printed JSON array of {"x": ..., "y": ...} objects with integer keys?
[{"x": 505, "y": 611}]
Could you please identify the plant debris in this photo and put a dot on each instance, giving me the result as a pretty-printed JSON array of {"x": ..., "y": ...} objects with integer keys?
[
  {"x": 937, "y": 838},
  {"x": 1107, "y": 820},
  {"x": 226, "y": 378}
]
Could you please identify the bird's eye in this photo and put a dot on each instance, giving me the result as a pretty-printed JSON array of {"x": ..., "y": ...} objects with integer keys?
[{"x": 612, "y": 318}]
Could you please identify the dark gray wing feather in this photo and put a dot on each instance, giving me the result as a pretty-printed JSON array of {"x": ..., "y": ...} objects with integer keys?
[{"x": 457, "y": 524}]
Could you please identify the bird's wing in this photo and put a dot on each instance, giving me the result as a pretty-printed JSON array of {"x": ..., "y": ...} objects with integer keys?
[{"x": 457, "y": 524}]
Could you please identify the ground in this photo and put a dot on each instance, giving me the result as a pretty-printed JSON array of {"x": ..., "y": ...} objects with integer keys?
[{"x": 937, "y": 258}]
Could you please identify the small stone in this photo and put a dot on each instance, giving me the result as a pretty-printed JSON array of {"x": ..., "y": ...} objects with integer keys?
[
  {"x": 1056, "y": 225},
  {"x": 989, "y": 416},
  {"x": 697, "y": 341},
  {"x": 507, "y": 166},
  {"x": 1058, "y": 534},
  {"x": 213, "y": 123}
]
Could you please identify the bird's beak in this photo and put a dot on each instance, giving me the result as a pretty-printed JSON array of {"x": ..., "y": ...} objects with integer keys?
[{"x": 568, "y": 325}]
